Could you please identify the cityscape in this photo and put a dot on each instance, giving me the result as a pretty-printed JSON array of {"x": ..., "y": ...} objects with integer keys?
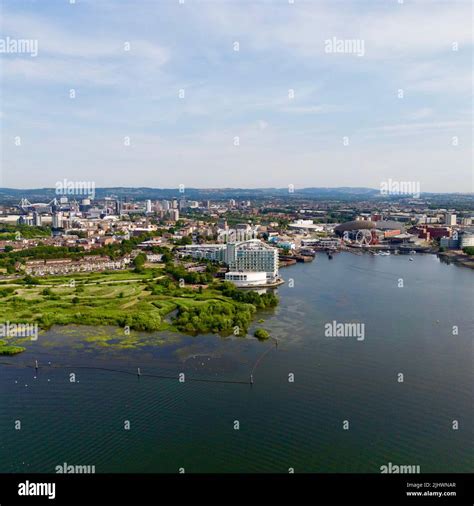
[
  {"x": 236, "y": 252},
  {"x": 251, "y": 240}
]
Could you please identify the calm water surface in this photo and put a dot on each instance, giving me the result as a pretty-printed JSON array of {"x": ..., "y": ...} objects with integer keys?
[{"x": 408, "y": 330}]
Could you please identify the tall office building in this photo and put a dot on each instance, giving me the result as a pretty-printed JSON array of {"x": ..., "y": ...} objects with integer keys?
[
  {"x": 148, "y": 206},
  {"x": 174, "y": 214},
  {"x": 57, "y": 220},
  {"x": 451, "y": 219}
]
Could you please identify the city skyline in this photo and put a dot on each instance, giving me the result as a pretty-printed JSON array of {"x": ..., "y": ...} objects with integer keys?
[{"x": 238, "y": 96}]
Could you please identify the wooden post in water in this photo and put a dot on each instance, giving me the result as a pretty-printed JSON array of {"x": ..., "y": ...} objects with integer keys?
[
  {"x": 36, "y": 365},
  {"x": 251, "y": 379},
  {"x": 138, "y": 372}
]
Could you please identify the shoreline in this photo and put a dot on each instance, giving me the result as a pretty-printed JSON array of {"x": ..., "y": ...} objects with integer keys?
[
  {"x": 453, "y": 256},
  {"x": 143, "y": 304},
  {"x": 457, "y": 258}
]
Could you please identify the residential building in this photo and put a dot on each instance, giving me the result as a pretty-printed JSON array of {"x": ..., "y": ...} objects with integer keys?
[
  {"x": 253, "y": 255},
  {"x": 450, "y": 219}
]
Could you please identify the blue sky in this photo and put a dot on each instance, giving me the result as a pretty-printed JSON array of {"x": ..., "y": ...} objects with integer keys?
[{"x": 283, "y": 139}]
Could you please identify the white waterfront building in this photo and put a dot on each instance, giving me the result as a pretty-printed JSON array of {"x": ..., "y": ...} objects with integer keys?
[{"x": 246, "y": 279}]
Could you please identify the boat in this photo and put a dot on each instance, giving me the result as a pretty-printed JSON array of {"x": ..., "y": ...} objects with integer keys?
[
  {"x": 411, "y": 259},
  {"x": 412, "y": 252}
]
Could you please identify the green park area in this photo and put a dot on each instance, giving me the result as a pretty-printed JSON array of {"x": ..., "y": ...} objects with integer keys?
[{"x": 144, "y": 299}]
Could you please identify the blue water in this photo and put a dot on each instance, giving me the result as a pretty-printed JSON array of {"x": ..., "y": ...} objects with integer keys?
[{"x": 283, "y": 424}]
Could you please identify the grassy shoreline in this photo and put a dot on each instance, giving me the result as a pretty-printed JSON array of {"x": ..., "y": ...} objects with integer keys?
[{"x": 146, "y": 301}]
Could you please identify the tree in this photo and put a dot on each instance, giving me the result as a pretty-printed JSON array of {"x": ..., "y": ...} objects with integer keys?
[
  {"x": 29, "y": 280},
  {"x": 184, "y": 241},
  {"x": 139, "y": 262}
]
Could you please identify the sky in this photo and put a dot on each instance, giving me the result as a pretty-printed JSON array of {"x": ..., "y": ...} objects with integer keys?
[{"x": 247, "y": 93}]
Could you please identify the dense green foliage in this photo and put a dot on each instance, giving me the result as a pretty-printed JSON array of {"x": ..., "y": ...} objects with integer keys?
[
  {"x": 10, "y": 232},
  {"x": 139, "y": 262},
  {"x": 225, "y": 317},
  {"x": 469, "y": 250},
  {"x": 184, "y": 241},
  {"x": 139, "y": 301},
  {"x": 261, "y": 334},
  {"x": 178, "y": 272},
  {"x": 4, "y": 292},
  {"x": 248, "y": 296},
  {"x": 214, "y": 316},
  {"x": 30, "y": 280}
]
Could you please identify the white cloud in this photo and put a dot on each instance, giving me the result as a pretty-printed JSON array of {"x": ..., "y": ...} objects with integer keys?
[
  {"x": 55, "y": 41},
  {"x": 77, "y": 56},
  {"x": 424, "y": 112}
]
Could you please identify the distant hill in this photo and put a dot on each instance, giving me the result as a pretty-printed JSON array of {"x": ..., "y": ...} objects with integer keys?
[
  {"x": 47, "y": 194},
  {"x": 13, "y": 195}
]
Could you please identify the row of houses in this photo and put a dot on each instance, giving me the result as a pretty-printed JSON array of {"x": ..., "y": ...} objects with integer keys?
[{"x": 68, "y": 266}]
